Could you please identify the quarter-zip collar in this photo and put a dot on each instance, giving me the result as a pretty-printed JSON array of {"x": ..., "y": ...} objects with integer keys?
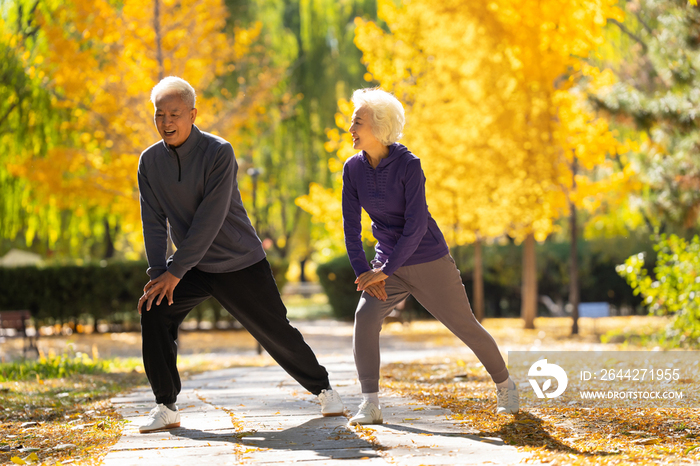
[
  {"x": 188, "y": 147},
  {"x": 184, "y": 150}
]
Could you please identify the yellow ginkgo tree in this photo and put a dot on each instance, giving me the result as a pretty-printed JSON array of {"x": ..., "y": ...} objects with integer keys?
[
  {"x": 100, "y": 60},
  {"x": 493, "y": 112}
]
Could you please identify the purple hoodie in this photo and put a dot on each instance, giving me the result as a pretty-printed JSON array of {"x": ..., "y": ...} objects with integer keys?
[{"x": 393, "y": 195}]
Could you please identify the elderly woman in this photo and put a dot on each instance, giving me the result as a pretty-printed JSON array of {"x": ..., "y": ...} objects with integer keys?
[{"x": 412, "y": 256}]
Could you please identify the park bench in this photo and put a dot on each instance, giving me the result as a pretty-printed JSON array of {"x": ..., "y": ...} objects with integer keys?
[
  {"x": 14, "y": 323},
  {"x": 595, "y": 311}
]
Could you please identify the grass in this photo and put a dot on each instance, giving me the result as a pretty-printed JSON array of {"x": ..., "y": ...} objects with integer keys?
[
  {"x": 308, "y": 308},
  {"x": 50, "y": 368},
  {"x": 56, "y": 410}
]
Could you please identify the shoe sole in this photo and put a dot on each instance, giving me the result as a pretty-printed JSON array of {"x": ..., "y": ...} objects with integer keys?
[
  {"x": 508, "y": 412},
  {"x": 355, "y": 423},
  {"x": 332, "y": 414},
  {"x": 169, "y": 426}
]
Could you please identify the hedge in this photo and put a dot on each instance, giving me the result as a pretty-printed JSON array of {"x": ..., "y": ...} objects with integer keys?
[
  {"x": 65, "y": 293},
  {"x": 337, "y": 278},
  {"x": 502, "y": 276}
]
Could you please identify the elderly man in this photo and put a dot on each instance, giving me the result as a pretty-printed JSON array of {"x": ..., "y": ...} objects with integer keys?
[{"x": 188, "y": 180}]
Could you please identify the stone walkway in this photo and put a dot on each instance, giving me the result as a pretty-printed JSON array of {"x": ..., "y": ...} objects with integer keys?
[{"x": 260, "y": 415}]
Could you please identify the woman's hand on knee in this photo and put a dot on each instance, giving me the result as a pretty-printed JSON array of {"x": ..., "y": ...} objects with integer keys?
[
  {"x": 377, "y": 290},
  {"x": 370, "y": 277}
]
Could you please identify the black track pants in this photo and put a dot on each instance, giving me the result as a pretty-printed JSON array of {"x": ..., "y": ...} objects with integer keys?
[{"x": 251, "y": 296}]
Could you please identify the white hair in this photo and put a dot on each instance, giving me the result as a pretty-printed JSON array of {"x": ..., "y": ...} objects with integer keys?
[
  {"x": 177, "y": 85},
  {"x": 387, "y": 113}
]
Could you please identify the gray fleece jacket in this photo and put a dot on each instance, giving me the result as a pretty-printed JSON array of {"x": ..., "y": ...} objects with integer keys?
[{"x": 194, "y": 189}]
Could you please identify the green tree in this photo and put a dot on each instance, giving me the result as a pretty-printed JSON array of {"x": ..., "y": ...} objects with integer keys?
[
  {"x": 96, "y": 61},
  {"x": 675, "y": 290},
  {"x": 312, "y": 40},
  {"x": 655, "y": 55},
  {"x": 27, "y": 121}
]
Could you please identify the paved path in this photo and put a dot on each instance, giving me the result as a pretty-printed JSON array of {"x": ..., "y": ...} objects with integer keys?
[{"x": 260, "y": 415}]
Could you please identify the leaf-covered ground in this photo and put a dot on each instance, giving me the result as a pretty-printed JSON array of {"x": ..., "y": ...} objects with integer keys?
[
  {"x": 47, "y": 419},
  {"x": 61, "y": 421},
  {"x": 560, "y": 436},
  {"x": 569, "y": 435}
]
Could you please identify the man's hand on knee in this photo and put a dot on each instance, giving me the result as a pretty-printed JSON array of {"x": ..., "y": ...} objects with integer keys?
[{"x": 160, "y": 287}]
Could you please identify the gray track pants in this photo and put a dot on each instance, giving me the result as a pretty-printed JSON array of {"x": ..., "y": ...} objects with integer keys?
[{"x": 438, "y": 286}]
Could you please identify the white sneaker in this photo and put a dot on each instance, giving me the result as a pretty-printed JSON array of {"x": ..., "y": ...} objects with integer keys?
[
  {"x": 331, "y": 404},
  {"x": 368, "y": 414},
  {"x": 161, "y": 418},
  {"x": 508, "y": 399}
]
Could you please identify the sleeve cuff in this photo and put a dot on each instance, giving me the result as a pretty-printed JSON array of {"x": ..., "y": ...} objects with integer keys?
[
  {"x": 388, "y": 271},
  {"x": 155, "y": 272},
  {"x": 177, "y": 270}
]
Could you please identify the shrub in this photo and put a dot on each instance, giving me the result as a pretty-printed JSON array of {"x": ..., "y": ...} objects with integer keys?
[
  {"x": 599, "y": 280},
  {"x": 63, "y": 293},
  {"x": 337, "y": 278},
  {"x": 279, "y": 270},
  {"x": 675, "y": 288}
]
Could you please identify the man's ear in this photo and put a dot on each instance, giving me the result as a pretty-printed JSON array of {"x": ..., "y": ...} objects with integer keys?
[{"x": 193, "y": 114}]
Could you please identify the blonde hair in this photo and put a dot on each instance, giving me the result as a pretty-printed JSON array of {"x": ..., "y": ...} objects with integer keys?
[
  {"x": 177, "y": 85},
  {"x": 387, "y": 113}
]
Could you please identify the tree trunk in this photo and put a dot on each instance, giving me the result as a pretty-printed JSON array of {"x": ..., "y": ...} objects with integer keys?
[
  {"x": 302, "y": 269},
  {"x": 574, "y": 289},
  {"x": 159, "y": 48},
  {"x": 528, "y": 309},
  {"x": 574, "y": 285},
  {"x": 109, "y": 243},
  {"x": 478, "y": 282}
]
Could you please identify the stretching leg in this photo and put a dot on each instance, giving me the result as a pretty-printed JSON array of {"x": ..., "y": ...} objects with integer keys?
[
  {"x": 438, "y": 286},
  {"x": 369, "y": 316},
  {"x": 159, "y": 331},
  {"x": 251, "y": 296}
]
